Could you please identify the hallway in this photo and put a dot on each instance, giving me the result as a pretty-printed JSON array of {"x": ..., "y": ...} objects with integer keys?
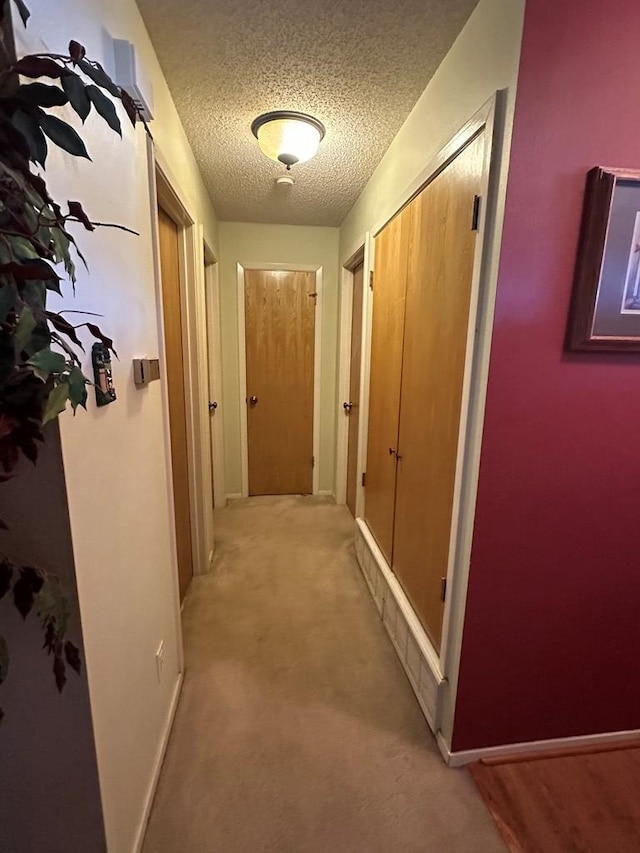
[{"x": 297, "y": 731}]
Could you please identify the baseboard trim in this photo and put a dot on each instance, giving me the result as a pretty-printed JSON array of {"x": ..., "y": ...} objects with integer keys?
[
  {"x": 459, "y": 759},
  {"x": 325, "y": 493},
  {"x": 157, "y": 767},
  {"x": 234, "y": 496},
  {"x": 414, "y": 649}
]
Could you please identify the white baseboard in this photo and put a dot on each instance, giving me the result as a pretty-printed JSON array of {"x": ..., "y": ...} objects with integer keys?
[
  {"x": 157, "y": 766},
  {"x": 325, "y": 493},
  {"x": 458, "y": 759},
  {"x": 234, "y": 496},
  {"x": 414, "y": 649}
]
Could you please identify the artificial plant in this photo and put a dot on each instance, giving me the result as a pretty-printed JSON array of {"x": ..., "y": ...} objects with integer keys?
[{"x": 40, "y": 371}]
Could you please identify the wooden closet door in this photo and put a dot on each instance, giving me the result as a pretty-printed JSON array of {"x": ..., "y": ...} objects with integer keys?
[
  {"x": 439, "y": 280},
  {"x": 390, "y": 278}
]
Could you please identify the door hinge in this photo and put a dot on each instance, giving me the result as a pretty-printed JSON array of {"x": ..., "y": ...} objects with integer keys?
[
  {"x": 364, "y": 478},
  {"x": 313, "y": 461},
  {"x": 475, "y": 216},
  {"x": 371, "y": 279},
  {"x": 443, "y": 589}
]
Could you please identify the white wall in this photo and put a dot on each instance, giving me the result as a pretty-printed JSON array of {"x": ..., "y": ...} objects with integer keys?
[
  {"x": 116, "y": 460},
  {"x": 286, "y": 244},
  {"x": 483, "y": 60}
]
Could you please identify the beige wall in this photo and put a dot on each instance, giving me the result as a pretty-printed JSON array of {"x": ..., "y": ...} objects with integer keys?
[
  {"x": 483, "y": 60},
  {"x": 286, "y": 244},
  {"x": 115, "y": 458}
]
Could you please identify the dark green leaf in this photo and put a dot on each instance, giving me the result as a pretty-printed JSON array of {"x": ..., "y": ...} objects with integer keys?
[
  {"x": 8, "y": 299},
  {"x": 26, "y": 325},
  {"x": 72, "y": 655},
  {"x": 6, "y": 573},
  {"x": 77, "y": 388},
  {"x": 64, "y": 327},
  {"x": 47, "y": 361},
  {"x": 63, "y": 135},
  {"x": 76, "y": 51},
  {"x": 60, "y": 341},
  {"x": 105, "y": 108},
  {"x": 34, "y": 294},
  {"x": 33, "y": 269},
  {"x": 130, "y": 106},
  {"x": 76, "y": 209},
  {"x": 59, "y": 670},
  {"x": 39, "y": 66},
  {"x": 77, "y": 94},
  {"x": 56, "y": 403},
  {"x": 40, "y": 338},
  {"x": 97, "y": 333},
  {"x": 41, "y": 95},
  {"x": 50, "y": 639},
  {"x": 53, "y": 608},
  {"x": 25, "y": 588},
  {"x": 28, "y": 127},
  {"x": 22, "y": 248},
  {"x": 4, "y": 659},
  {"x": 25, "y": 14},
  {"x": 96, "y": 73}
]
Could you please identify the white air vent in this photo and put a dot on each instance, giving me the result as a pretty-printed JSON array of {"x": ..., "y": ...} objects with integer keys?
[{"x": 129, "y": 75}]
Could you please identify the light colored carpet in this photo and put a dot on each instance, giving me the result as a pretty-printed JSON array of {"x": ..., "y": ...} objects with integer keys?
[{"x": 297, "y": 731}]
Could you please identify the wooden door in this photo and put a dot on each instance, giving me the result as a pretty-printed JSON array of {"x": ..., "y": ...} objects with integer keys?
[
  {"x": 354, "y": 387},
  {"x": 439, "y": 282},
  {"x": 172, "y": 317},
  {"x": 280, "y": 342},
  {"x": 387, "y": 331}
]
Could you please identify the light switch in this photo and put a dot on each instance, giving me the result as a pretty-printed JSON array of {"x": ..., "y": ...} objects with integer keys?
[{"x": 145, "y": 370}]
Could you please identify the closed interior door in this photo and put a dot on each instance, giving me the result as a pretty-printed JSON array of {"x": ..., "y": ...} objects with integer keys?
[
  {"x": 280, "y": 342},
  {"x": 172, "y": 318},
  {"x": 438, "y": 298},
  {"x": 354, "y": 388},
  {"x": 387, "y": 332}
]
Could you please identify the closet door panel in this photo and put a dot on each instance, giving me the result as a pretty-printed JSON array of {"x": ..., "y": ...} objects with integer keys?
[
  {"x": 439, "y": 282},
  {"x": 391, "y": 256}
]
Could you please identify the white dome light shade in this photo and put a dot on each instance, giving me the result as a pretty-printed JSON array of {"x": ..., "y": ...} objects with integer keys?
[{"x": 288, "y": 137}]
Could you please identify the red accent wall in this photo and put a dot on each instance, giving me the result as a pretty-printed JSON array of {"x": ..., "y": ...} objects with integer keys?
[{"x": 551, "y": 645}]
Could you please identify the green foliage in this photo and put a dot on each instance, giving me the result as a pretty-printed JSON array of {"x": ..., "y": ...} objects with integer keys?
[
  {"x": 33, "y": 590},
  {"x": 40, "y": 371}
]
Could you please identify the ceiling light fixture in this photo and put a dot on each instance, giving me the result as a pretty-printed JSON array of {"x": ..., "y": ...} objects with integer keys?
[{"x": 287, "y": 136}]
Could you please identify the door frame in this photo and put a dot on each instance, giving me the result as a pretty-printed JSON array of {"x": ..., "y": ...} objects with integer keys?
[
  {"x": 166, "y": 192},
  {"x": 344, "y": 366},
  {"x": 445, "y": 667},
  {"x": 242, "y": 358},
  {"x": 214, "y": 353},
  {"x": 362, "y": 248}
]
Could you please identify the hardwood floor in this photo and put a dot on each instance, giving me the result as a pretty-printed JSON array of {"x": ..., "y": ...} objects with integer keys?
[{"x": 583, "y": 802}]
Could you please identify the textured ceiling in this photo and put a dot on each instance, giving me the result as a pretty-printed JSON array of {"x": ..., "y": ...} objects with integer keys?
[{"x": 357, "y": 65}]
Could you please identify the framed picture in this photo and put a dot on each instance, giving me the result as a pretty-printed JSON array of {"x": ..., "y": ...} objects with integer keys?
[{"x": 605, "y": 308}]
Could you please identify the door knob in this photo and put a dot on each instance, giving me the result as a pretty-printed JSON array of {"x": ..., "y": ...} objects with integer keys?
[
  {"x": 253, "y": 401},
  {"x": 347, "y": 407},
  {"x": 213, "y": 406}
]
